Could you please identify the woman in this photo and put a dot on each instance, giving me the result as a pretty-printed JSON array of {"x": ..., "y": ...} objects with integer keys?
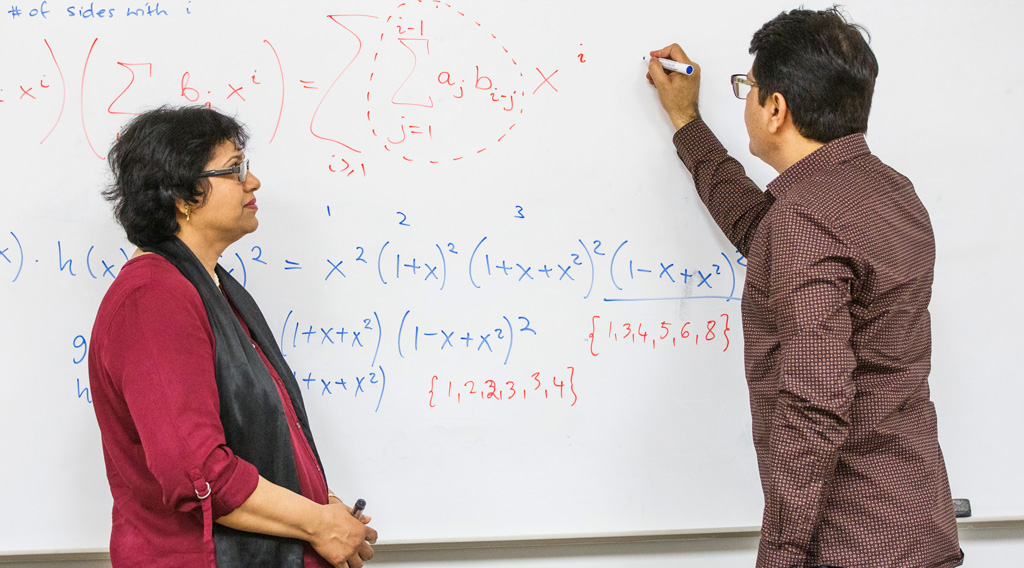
[{"x": 207, "y": 445}]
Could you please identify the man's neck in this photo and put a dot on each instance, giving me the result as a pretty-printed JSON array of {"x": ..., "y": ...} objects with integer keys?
[{"x": 794, "y": 149}]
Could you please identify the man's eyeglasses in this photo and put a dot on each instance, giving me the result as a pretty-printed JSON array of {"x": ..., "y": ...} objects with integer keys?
[
  {"x": 741, "y": 86},
  {"x": 242, "y": 169}
]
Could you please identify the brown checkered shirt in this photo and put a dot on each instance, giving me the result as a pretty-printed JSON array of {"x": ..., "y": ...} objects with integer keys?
[{"x": 840, "y": 257}]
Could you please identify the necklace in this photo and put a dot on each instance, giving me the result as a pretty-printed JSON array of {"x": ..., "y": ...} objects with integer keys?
[{"x": 215, "y": 279}]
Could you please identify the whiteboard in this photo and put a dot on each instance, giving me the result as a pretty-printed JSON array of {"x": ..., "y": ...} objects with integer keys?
[{"x": 508, "y": 311}]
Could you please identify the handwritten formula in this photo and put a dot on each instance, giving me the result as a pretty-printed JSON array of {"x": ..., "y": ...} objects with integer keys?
[
  {"x": 420, "y": 81},
  {"x": 575, "y": 268},
  {"x": 404, "y": 99}
]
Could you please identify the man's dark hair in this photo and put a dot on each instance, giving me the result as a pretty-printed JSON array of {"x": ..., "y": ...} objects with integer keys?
[
  {"x": 823, "y": 67},
  {"x": 156, "y": 160}
]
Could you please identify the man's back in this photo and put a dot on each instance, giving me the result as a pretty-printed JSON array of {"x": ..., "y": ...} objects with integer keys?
[
  {"x": 837, "y": 344},
  {"x": 839, "y": 280}
]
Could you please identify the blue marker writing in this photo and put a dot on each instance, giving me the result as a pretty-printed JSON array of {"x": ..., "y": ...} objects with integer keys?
[{"x": 684, "y": 68}]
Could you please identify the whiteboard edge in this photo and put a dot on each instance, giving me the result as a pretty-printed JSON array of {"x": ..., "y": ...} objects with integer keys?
[{"x": 520, "y": 541}]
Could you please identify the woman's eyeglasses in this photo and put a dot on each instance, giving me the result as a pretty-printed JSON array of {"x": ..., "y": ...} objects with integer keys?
[{"x": 242, "y": 169}]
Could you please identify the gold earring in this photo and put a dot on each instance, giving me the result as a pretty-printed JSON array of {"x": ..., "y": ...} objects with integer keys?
[{"x": 188, "y": 213}]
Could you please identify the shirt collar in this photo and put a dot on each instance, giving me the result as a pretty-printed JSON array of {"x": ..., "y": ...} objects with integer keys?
[{"x": 832, "y": 153}]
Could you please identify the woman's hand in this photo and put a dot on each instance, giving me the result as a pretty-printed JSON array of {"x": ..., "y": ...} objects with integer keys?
[
  {"x": 331, "y": 529},
  {"x": 343, "y": 540}
]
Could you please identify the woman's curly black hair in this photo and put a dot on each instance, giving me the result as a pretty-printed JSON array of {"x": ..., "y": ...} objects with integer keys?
[{"x": 155, "y": 161}]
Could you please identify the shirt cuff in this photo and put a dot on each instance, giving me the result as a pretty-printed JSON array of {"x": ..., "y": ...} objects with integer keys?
[
  {"x": 234, "y": 484},
  {"x": 773, "y": 557},
  {"x": 690, "y": 139}
]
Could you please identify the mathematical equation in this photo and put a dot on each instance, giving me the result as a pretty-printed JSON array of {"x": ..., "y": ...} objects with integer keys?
[
  {"x": 13, "y": 257},
  {"x": 536, "y": 387},
  {"x": 424, "y": 82},
  {"x": 664, "y": 334},
  {"x": 411, "y": 336},
  {"x": 480, "y": 263},
  {"x": 367, "y": 384},
  {"x": 370, "y": 384}
]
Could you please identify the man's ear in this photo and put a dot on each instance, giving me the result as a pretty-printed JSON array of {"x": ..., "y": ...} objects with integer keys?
[{"x": 778, "y": 112}]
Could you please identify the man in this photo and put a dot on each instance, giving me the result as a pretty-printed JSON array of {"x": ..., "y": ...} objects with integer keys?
[{"x": 840, "y": 258}]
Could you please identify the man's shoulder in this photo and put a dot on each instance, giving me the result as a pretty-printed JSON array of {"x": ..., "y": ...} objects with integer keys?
[{"x": 849, "y": 182}]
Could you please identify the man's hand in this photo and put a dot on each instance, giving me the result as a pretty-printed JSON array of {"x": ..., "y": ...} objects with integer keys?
[{"x": 678, "y": 92}]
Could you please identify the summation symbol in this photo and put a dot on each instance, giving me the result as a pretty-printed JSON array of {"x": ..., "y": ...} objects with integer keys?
[{"x": 438, "y": 86}]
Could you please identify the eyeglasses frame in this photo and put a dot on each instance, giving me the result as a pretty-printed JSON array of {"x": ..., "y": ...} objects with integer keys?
[
  {"x": 736, "y": 80},
  {"x": 241, "y": 169}
]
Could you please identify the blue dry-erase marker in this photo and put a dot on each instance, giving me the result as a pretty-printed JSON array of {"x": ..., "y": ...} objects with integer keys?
[{"x": 684, "y": 68}]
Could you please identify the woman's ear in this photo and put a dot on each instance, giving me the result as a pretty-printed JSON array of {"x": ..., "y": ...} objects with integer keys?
[{"x": 184, "y": 209}]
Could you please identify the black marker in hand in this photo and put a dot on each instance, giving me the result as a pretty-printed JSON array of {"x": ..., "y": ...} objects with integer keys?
[{"x": 357, "y": 511}]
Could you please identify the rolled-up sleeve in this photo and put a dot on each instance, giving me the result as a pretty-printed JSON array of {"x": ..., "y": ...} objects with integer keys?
[{"x": 158, "y": 353}]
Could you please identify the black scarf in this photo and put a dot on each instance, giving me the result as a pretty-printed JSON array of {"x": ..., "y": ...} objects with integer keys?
[{"x": 251, "y": 411}]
